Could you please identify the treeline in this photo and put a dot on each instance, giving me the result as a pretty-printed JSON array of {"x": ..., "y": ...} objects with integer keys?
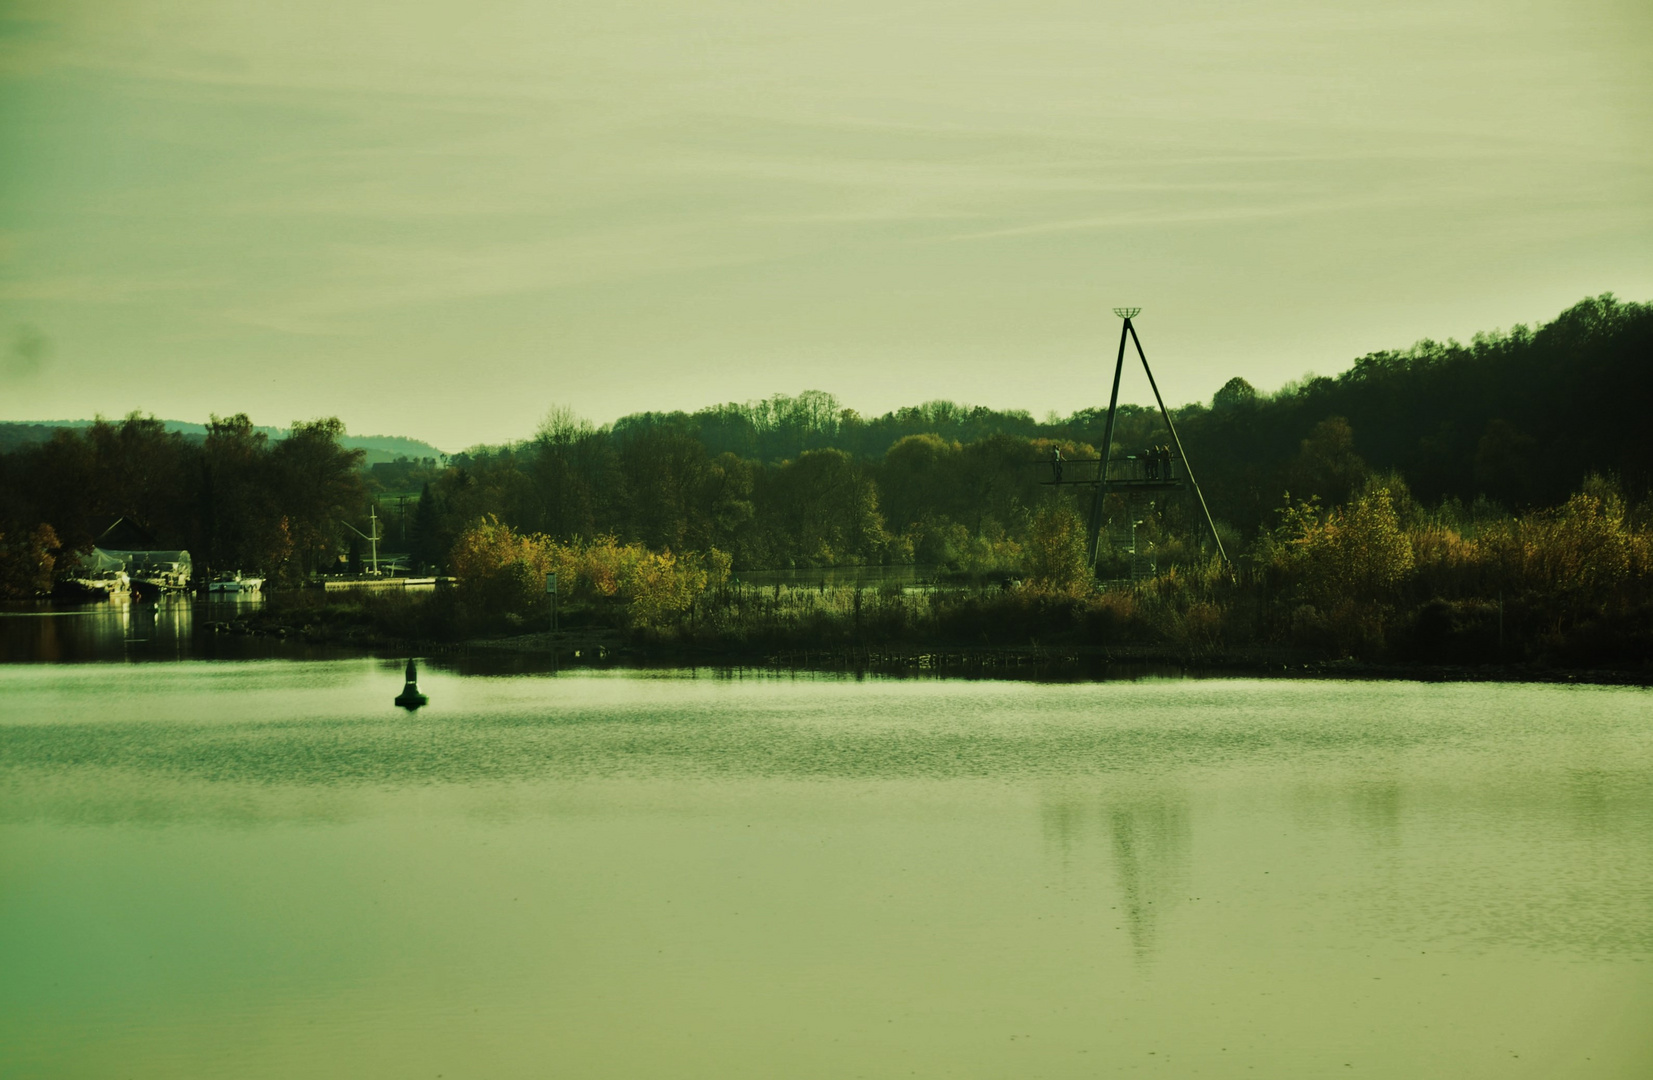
[
  {"x": 1516, "y": 420},
  {"x": 1504, "y": 426},
  {"x": 376, "y": 448},
  {"x": 1519, "y": 417},
  {"x": 927, "y": 499},
  {"x": 235, "y": 499}
]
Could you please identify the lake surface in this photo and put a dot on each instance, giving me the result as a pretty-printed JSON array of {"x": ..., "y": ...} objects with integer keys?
[
  {"x": 174, "y": 627},
  {"x": 263, "y": 869}
]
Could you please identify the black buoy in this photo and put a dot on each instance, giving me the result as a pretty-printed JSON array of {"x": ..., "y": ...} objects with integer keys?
[{"x": 410, "y": 698}]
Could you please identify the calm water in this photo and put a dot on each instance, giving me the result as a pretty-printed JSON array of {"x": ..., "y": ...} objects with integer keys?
[
  {"x": 174, "y": 627},
  {"x": 261, "y": 868}
]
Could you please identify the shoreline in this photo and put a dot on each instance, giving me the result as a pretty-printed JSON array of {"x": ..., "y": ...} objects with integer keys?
[
  {"x": 1038, "y": 662},
  {"x": 608, "y": 647},
  {"x": 598, "y": 646}
]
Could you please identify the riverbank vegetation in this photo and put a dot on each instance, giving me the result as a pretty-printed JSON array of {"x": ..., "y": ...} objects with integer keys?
[
  {"x": 1381, "y": 579},
  {"x": 1464, "y": 504}
]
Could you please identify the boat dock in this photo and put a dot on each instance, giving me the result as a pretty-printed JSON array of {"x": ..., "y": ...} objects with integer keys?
[{"x": 332, "y": 584}]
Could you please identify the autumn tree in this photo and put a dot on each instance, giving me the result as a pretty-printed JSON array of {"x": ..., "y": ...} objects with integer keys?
[
  {"x": 1056, "y": 556},
  {"x": 27, "y": 562}
]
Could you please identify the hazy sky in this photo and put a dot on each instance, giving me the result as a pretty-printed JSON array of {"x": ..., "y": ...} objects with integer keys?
[{"x": 439, "y": 220}]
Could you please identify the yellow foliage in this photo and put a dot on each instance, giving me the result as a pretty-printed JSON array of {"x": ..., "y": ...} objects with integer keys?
[
  {"x": 1354, "y": 552},
  {"x": 1578, "y": 557},
  {"x": 505, "y": 570},
  {"x": 1585, "y": 551},
  {"x": 500, "y": 570},
  {"x": 1056, "y": 556}
]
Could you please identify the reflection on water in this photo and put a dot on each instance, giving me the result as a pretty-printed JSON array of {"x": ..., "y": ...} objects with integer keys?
[
  {"x": 170, "y": 627},
  {"x": 266, "y": 869},
  {"x": 1150, "y": 846},
  {"x": 1377, "y": 805},
  {"x": 160, "y": 629},
  {"x": 1149, "y": 840}
]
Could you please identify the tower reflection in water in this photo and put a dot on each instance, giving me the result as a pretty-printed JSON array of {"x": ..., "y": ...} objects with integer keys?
[{"x": 1147, "y": 839}]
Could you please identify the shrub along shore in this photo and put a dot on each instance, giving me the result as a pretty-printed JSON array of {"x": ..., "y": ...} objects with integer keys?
[{"x": 1379, "y": 585}]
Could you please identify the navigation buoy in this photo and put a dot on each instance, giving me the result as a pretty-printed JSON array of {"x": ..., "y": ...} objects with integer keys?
[{"x": 410, "y": 698}]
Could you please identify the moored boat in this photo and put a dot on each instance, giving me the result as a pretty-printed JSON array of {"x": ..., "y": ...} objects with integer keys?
[
  {"x": 96, "y": 586},
  {"x": 235, "y": 583},
  {"x": 155, "y": 572}
]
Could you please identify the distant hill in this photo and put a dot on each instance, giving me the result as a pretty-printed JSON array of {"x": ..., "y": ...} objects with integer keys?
[
  {"x": 379, "y": 448},
  {"x": 390, "y": 447}
]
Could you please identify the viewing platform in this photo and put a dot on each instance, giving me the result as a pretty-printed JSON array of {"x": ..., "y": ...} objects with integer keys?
[{"x": 1135, "y": 472}]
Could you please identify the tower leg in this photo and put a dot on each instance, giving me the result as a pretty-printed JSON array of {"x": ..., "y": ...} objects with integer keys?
[
  {"x": 1095, "y": 529},
  {"x": 1166, "y": 413}
]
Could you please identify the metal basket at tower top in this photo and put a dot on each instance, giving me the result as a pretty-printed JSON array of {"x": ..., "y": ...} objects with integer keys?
[{"x": 1127, "y": 312}]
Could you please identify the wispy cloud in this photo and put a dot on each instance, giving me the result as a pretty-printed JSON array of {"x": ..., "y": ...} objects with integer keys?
[{"x": 318, "y": 187}]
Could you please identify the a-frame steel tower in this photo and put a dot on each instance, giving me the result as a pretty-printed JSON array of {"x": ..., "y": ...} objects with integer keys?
[{"x": 1131, "y": 473}]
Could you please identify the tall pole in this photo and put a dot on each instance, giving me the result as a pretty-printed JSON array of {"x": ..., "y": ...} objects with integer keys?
[
  {"x": 1163, "y": 411},
  {"x": 1107, "y": 450}
]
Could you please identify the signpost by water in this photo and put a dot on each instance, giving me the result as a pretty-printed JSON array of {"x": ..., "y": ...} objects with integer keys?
[{"x": 551, "y": 591}]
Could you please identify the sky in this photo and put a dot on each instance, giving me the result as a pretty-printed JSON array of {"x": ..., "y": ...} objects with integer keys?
[{"x": 441, "y": 220}]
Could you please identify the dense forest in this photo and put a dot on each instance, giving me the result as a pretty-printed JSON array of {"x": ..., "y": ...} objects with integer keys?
[
  {"x": 1515, "y": 420},
  {"x": 235, "y": 499},
  {"x": 1508, "y": 431}
]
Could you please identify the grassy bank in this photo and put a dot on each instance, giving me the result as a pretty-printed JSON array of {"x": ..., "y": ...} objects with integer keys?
[
  {"x": 1379, "y": 582},
  {"x": 1208, "y": 622}
]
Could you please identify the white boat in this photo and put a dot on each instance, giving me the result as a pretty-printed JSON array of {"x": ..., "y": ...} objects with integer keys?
[
  {"x": 157, "y": 571},
  {"x": 235, "y": 583}
]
